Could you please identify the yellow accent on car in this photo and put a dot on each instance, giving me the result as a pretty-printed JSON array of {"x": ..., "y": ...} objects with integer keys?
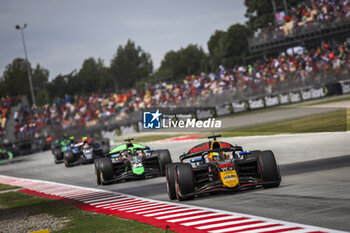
[{"x": 229, "y": 178}]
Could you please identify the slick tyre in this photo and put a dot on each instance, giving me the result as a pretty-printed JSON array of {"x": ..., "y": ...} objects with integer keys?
[
  {"x": 97, "y": 171},
  {"x": 68, "y": 158},
  {"x": 106, "y": 171},
  {"x": 170, "y": 180},
  {"x": 164, "y": 158},
  {"x": 269, "y": 169},
  {"x": 184, "y": 182},
  {"x": 58, "y": 155},
  {"x": 105, "y": 150},
  {"x": 253, "y": 154}
]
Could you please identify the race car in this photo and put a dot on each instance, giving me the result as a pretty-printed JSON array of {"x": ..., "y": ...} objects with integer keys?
[
  {"x": 58, "y": 147},
  {"x": 217, "y": 165},
  {"x": 5, "y": 154},
  {"x": 82, "y": 151},
  {"x": 131, "y": 161}
]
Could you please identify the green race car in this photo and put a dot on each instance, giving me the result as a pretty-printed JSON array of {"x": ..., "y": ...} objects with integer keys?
[
  {"x": 58, "y": 147},
  {"x": 5, "y": 154},
  {"x": 131, "y": 161}
]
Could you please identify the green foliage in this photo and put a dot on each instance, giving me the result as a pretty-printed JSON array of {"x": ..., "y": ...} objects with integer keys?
[
  {"x": 15, "y": 78},
  {"x": 40, "y": 78},
  {"x": 90, "y": 75},
  {"x": 228, "y": 48},
  {"x": 259, "y": 13},
  {"x": 217, "y": 46},
  {"x": 42, "y": 97},
  {"x": 186, "y": 61},
  {"x": 130, "y": 64}
]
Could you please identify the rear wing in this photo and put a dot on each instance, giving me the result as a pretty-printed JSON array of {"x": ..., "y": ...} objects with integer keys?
[{"x": 205, "y": 152}]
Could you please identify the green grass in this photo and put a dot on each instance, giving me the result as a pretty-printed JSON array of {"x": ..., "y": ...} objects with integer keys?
[
  {"x": 4, "y": 187},
  {"x": 325, "y": 122},
  {"x": 79, "y": 220}
]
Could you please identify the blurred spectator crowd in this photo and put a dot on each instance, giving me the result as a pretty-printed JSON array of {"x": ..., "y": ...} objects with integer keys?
[
  {"x": 307, "y": 16},
  {"x": 5, "y": 105},
  {"x": 290, "y": 69}
]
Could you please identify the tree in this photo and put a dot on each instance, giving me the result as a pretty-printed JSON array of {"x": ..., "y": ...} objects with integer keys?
[
  {"x": 130, "y": 65},
  {"x": 217, "y": 46},
  {"x": 15, "y": 79},
  {"x": 90, "y": 75},
  {"x": 58, "y": 87},
  {"x": 42, "y": 97},
  {"x": 228, "y": 48},
  {"x": 186, "y": 61},
  {"x": 40, "y": 78},
  {"x": 238, "y": 47}
]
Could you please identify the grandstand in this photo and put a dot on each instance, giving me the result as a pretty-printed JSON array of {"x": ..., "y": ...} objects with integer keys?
[
  {"x": 309, "y": 24},
  {"x": 321, "y": 27},
  {"x": 317, "y": 66}
]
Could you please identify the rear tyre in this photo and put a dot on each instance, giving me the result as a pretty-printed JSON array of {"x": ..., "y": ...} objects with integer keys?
[
  {"x": 269, "y": 169},
  {"x": 164, "y": 158},
  {"x": 184, "y": 182},
  {"x": 68, "y": 158},
  {"x": 105, "y": 149},
  {"x": 253, "y": 154},
  {"x": 106, "y": 171},
  {"x": 170, "y": 180},
  {"x": 97, "y": 171},
  {"x": 58, "y": 155}
]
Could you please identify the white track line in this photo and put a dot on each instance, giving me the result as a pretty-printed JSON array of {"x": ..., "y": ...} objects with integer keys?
[
  {"x": 183, "y": 214},
  {"x": 193, "y": 217},
  {"x": 102, "y": 199},
  {"x": 160, "y": 209},
  {"x": 147, "y": 207},
  {"x": 210, "y": 220},
  {"x": 229, "y": 223},
  {"x": 238, "y": 228}
]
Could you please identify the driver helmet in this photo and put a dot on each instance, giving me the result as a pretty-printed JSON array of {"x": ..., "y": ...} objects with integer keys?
[
  {"x": 129, "y": 144},
  {"x": 217, "y": 156},
  {"x": 72, "y": 140}
]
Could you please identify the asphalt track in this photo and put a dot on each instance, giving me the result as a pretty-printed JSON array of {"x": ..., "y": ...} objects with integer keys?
[{"x": 315, "y": 188}]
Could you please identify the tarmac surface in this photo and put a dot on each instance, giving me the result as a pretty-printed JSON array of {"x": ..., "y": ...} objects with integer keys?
[{"x": 315, "y": 188}]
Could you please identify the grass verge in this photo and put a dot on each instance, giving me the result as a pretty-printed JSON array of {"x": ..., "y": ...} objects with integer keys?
[
  {"x": 326, "y": 122},
  {"x": 4, "y": 187},
  {"x": 78, "y": 220}
]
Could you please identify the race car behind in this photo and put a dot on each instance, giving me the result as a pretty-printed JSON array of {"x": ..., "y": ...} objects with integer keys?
[
  {"x": 131, "y": 161},
  {"x": 82, "y": 151}
]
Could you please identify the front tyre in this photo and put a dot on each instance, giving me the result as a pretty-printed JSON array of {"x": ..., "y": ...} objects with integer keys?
[
  {"x": 269, "y": 169},
  {"x": 164, "y": 158},
  {"x": 106, "y": 171},
  {"x": 68, "y": 158},
  {"x": 184, "y": 182},
  {"x": 58, "y": 155},
  {"x": 97, "y": 171},
  {"x": 170, "y": 180}
]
